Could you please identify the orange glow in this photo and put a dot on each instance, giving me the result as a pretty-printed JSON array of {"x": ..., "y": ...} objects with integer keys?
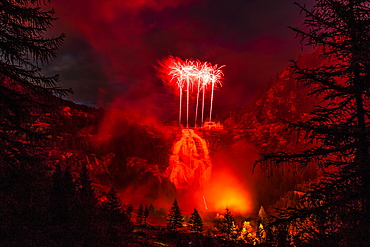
[
  {"x": 189, "y": 163},
  {"x": 226, "y": 190}
]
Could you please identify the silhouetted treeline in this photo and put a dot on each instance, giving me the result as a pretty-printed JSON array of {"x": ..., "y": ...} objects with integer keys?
[{"x": 58, "y": 210}]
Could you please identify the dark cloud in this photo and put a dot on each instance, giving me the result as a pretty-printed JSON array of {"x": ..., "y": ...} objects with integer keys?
[{"x": 112, "y": 46}]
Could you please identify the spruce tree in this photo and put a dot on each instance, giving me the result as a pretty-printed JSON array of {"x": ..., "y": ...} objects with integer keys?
[
  {"x": 62, "y": 196},
  {"x": 25, "y": 94},
  {"x": 24, "y": 91},
  {"x": 338, "y": 209},
  {"x": 118, "y": 223},
  {"x": 140, "y": 215},
  {"x": 129, "y": 211},
  {"x": 62, "y": 207},
  {"x": 175, "y": 217},
  {"x": 113, "y": 208},
  {"x": 146, "y": 214},
  {"x": 86, "y": 190},
  {"x": 262, "y": 226},
  {"x": 228, "y": 225},
  {"x": 87, "y": 210},
  {"x": 195, "y": 223}
]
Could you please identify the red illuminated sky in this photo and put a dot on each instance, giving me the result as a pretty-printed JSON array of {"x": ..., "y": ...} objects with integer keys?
[{"x": 112, "y": 45}]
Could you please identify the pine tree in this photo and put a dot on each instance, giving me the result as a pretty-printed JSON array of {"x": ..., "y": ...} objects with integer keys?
[
  {"x": 146, "y": 214},
  {"x": 86, "y": 190},
  {"x": 62, "y": 206},
  {"x": 140, "y": 215},
  {"x": 62, "y": 196},
  {"x": 338, "y": 208},
  {"x": 87, "y": 209},
  {"x": 113, "y": 208},
  {"x": 116, "y": 218},
  {"x": 195, "y": 223},
  {"x": 228, "y": 225},
  {"x": 129, "y": 211},
  {"x": 25, "y": 92},
  {"x": 262, "y": 226},
  {"x": 175, "y": 217}
]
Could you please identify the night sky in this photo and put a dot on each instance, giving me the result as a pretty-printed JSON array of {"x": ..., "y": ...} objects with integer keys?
[{"x": 112, "y": 47}]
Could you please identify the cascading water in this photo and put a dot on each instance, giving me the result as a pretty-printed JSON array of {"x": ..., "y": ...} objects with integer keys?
[{"x": 190, "y": 165}]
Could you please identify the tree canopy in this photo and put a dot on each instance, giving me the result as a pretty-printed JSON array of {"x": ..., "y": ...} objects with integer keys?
[
  {"x": 25, "y": 92},
  {"x": 337, "y": 129},
  {"x": 175, "y": 217}
]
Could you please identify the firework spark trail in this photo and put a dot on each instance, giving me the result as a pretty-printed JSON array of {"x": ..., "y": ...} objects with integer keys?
[
  {"x": 210, "y": 108},
  {"x": 186, "y": 73},
  {"x": 187, "y": 102},
  {"x": 216, "y": 77},
  {"x": 200, "y": 67},
  {"x": 205, "y": 204},
  {"x": 189, "y": 73},
  {"x": 204, "y": 77},
  {"x": 210, "y": 75},
  {"x": 198, "y": 86},
  {"x": 176, "y": 73},
  {"x": 197, "y": 105},
  {"x": 203, "y": 105}
]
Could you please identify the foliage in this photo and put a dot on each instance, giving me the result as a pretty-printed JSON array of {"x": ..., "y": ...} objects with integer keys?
[
  {"x": 86, "y": 191},
  {"x": 195, "y": 223},
  {"x": 228, "y": 225},
  {"x": 24, "y": 91},
  {"x": 337, "y": 129},
  {"x": 62, "y": 196},
  {"x": 175, "y": 217},
  {"x": 113, "y": 207},
  {"x": 146, "y": 214},
  {"x": 140, "y": 215}
]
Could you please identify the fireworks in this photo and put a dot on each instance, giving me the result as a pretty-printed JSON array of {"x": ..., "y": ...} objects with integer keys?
[
  {"x": 211, "y": 75},
  {"x": 193, "y": 75}
]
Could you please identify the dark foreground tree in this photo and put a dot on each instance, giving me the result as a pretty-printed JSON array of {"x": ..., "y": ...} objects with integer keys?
[
  {"x": 25, "y": 94},
  {"x": 175, "y": 217},
  {"x": 228, "y": 225},
  {"x": 86, "y": 192},
  {"x": 129, "y": 211},
  {"x": 195, "y": 223},
  {"x": 113, "y": 208},
  {"x": 140, "y": 215},
  {"x": 24, "y": 91},
  {"x": 62, "y": 197},
  {"x": 337, "y": 210},
  {"x": 118, "y": 222},
  {"x": 146, "y": 214}
]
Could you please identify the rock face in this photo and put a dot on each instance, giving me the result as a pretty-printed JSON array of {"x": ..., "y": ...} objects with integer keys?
[{"x": 190, "y": 165}]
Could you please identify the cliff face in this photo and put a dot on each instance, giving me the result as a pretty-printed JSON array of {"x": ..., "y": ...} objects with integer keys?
[
  {"x": 286, "y": 100},
  {"x": 263, "y": 127},
  {"x": 137, "y": 154},
  {"x": 121, "y": 149}
]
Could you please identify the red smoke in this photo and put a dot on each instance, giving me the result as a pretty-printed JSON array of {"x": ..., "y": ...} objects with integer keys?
[
  {"x": 117, "y": 33},
  {"x": 130, "y": 36}
]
